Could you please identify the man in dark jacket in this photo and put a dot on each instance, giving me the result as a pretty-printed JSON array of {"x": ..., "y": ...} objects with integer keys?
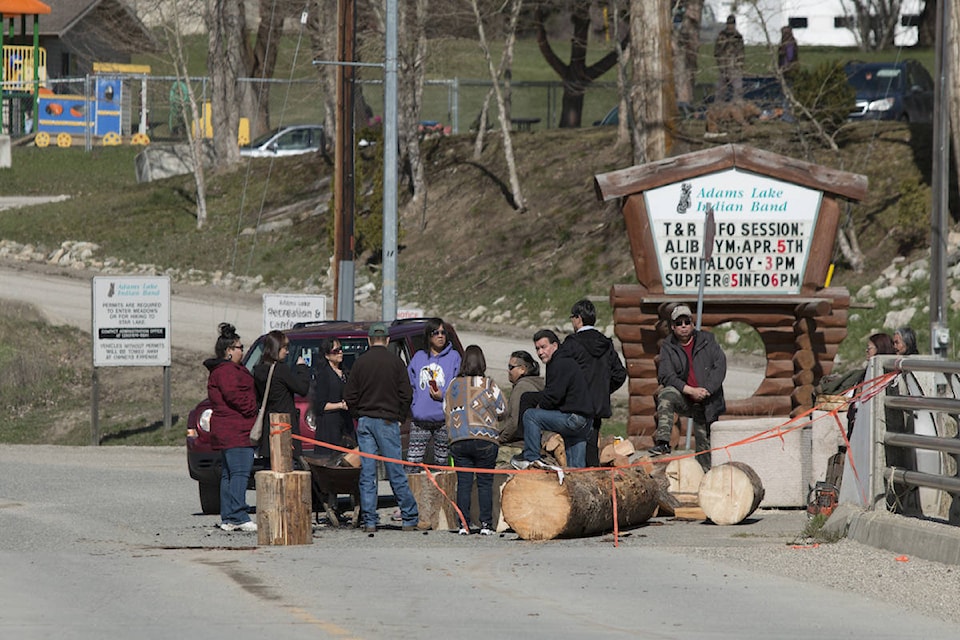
[
  {"x": 564, "y": 406},
  {"x": 378, "y": 394},
  {"x": 691, "y": 371},
  {"x": 604, "y": 371}
]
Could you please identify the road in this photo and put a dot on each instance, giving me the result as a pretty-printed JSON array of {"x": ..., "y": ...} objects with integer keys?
[
  {"x": 103, "y": 542},
  {"x": 197, "y": 312}
]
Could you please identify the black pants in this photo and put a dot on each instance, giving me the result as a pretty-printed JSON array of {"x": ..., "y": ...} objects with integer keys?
[{"x": 593, "y": 444}]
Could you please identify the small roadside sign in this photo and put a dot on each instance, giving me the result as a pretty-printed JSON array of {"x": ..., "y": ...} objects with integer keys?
[
  {"x": 131, "y": 321},
  {"x": 283, "y": 310}
]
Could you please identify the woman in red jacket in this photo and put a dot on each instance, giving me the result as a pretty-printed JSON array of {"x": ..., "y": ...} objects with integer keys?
[{"x": 231, "y": 392}]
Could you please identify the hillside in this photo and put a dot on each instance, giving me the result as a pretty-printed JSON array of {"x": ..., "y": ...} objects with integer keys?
[{"x": 468, "y": 256}]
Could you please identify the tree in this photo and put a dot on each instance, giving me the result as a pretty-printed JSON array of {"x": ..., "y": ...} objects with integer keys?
[
  {"x": 873, "y": 22},
  {"x": 576, "y": 75},
  {"x": 653, "y": 91},
  {"x": 519, "y": 203},
  {"x": 225, "y": 29}
]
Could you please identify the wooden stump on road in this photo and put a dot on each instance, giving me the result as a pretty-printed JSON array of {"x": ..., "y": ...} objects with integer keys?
[
  {"x": 433, "y": 507},
  {"x": 730, "y": 492},
  {"x": 538, "y": 507},
  {"x": 283, "y": 508}
]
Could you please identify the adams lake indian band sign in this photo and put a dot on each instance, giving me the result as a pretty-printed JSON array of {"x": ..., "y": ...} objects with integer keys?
[{"x": 762, "y": 236}]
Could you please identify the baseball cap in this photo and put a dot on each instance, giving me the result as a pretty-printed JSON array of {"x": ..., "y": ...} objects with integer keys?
[
  {"x": 378, "y": 330},
  {"x": 679, "y": 311}
]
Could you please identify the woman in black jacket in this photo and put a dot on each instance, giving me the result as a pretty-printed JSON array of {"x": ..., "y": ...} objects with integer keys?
[
  {"x": 334, "y": 424},
  {"x": 285, "y": 383}
]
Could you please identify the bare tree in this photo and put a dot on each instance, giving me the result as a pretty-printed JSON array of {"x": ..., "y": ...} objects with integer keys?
[
  {"x": 576, "y": 75},
  {"x": 952, "y": 52},
  {"x": 225, "y": 29},
  {"x": 625, "y": 120},
  {"x": 686, "y": 44},
  {"x": 503, "y": 74},
  {"x": 653, "y": 91},
  {"x": 323, "y": 40},
  {"x": 173, "y": 17},
  {"x": 873, "y": 22},
  {"x": 519, "y": 203}
]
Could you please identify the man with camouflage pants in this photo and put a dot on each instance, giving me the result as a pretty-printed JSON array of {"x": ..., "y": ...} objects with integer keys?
[{"x": 691, "y": 372}]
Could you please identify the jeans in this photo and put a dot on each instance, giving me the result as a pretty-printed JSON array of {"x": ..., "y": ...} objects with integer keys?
[
  {"x": 476, "y": 454},
  {"x": 573, "y": 427},
  {"x": 380, "y": 436},
  {"x": 235, "y": 467}
]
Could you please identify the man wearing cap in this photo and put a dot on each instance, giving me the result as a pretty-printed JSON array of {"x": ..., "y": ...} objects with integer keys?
[
  {"x": 378, "y": 394},
  {"x": 691, "y": 370},
  {"x": 728, "y": 52}
]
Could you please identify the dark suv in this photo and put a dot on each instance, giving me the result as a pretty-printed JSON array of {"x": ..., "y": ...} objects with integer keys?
[
  {"x": 891, "y": 91},
  {"x": 406, "y": 338}
]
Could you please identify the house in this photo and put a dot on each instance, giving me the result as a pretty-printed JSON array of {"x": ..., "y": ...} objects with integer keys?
[
  {"x": 77, "y": 33},
  {"x": 814, "y": 22}
]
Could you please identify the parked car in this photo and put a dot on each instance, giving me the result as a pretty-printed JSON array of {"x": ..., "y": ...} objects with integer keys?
[
  {"x": 406, "y": 338},
  {"x": 891, "y": 91},
  {"x": 290, "y": 140}
]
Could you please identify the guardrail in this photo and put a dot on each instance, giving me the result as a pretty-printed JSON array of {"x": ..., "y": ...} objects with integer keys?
[{"x": 904, "y": 447}]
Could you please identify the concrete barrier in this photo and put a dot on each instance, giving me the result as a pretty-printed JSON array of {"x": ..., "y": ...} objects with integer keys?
[{"x": 6, "y": 159}]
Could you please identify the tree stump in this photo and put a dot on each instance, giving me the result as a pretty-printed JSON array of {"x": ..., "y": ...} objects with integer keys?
[
  {"x": 730, "y": 492},
  {"x": 283, "y": 508},
  {"x": 433, "y": 507},
  {"x": 538, "y": 507},
  {"x": 685, "y": 475}
]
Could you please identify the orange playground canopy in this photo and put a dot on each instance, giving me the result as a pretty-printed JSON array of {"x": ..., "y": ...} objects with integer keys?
[{"x": 10, "y": 8}]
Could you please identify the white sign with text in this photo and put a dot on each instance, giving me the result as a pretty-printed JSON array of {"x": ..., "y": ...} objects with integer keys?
[
  {"x": 764, "y": 231},
  {"x": 283, "y": 310},
  {"x": 131, "y": 321}
]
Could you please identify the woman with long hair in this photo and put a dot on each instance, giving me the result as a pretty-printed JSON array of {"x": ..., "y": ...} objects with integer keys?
[
  {"x": 286, "y": 382},
  {"x": 473, "y": 405}
]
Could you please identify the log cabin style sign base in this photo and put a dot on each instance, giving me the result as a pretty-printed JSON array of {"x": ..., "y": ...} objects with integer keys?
[{"x": 764, "y": 263}]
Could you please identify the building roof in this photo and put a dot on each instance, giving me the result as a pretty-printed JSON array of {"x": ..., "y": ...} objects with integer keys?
[{"x": 10, "y": 8}]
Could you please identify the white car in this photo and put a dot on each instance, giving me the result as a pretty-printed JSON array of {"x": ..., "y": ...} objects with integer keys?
[{"x": 290, "y": 140}]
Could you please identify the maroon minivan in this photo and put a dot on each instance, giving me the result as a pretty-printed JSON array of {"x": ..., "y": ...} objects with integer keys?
[{"x": 406, "y": 338}]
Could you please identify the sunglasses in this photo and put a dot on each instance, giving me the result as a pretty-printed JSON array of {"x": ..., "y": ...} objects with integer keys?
[
  {"x": 335, "y": 351},
  {"x": 511, "y": 367},
  {"x": 438, "y": 332},
  {"x": 235, "y": 346},
  {"x": 682, "y": 322}
]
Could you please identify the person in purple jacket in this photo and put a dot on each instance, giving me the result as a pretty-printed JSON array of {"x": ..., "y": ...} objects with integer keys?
[
  {"x": 231, "y": 392},
  {"x": 430, "y": 371}
]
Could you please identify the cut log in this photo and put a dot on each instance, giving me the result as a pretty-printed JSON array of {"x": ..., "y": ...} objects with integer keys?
[
  {"x": 538, "y": 507},
  {"x": 730, "y": 492},
  {"x": 685, "y": 475},
  {"x": 283, "y": 508},
  {"x": 618, "y": 449},
  {"x": 552, "y": 444},
  {"x": 689, "y": 513},
  {"x": 281, "y": 442},
  {"x": 433, "y": 507}
]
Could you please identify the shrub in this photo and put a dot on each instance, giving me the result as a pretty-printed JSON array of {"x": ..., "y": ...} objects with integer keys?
[{"x": 824, "y": 92}]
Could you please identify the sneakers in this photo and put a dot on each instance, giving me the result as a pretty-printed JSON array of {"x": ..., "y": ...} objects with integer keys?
[
  {"x": 520, "y": 464},
  {"x": 248, "y": 526},
  {"x": 422, "y": 525},
  {"x": 227, "y": 526},
  {"x": 486, "y": 529},
  {"x": 660, "y": 449},
  {"x": 370, "y": 528},
  {"x": 464, "y": 531},
  {"x": 396, "y": 516}
]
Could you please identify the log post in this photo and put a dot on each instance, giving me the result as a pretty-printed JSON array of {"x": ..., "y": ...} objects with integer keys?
[
  {"x": 281, "y": 444},
  {"x": 538, "y": 507},
  {"x": 283, "y": 508},
  {"x": 284, "y": 499},
  {"x": 433, "y": 507}
]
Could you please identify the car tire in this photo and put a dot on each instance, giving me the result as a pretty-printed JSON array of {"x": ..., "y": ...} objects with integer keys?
[{"x": 209, "y": 498}]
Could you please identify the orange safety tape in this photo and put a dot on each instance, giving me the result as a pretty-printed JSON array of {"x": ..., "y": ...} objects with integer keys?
[
  {"x": 286, "y": 427},
  {"x": 868, "y": 389}
]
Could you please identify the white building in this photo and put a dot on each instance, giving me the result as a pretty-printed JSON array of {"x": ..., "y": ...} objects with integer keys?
[{"x": 814, "y": 22}]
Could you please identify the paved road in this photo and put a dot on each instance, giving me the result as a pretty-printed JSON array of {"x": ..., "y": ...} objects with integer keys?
[
  {"x": 196, "y": 313},
  {"x": 103, "y": 542}
]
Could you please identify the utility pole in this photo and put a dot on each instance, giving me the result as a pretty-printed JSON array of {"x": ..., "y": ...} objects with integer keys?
[
  {"x": 344, "y": 191},
  {"x": 389, "y": 287},
  {"x": 940, "y": 214}
]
